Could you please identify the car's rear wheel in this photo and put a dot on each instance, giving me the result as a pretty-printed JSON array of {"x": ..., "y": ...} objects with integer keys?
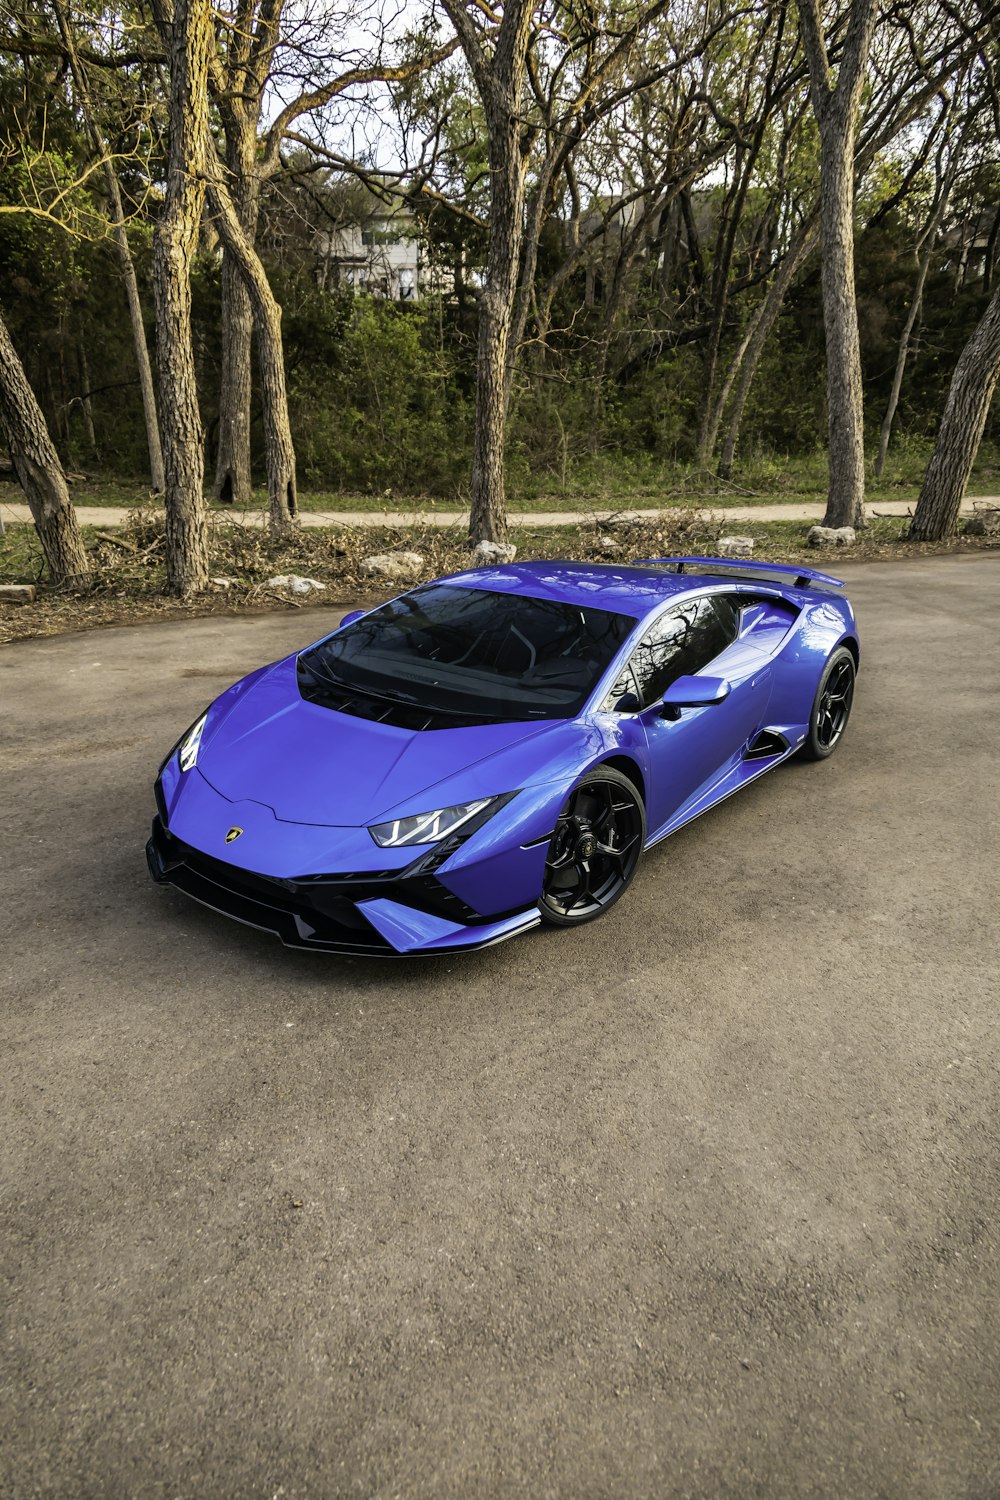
[
  {"x": 595, "y": 848},
  {"x": 832, "y": 705}
]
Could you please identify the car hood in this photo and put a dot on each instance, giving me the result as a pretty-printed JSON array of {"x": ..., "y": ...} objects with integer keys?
[{"x": 312, "y": 764}]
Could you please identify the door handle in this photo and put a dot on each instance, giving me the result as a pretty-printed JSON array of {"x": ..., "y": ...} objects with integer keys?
[{"x": 761, "y": 678}]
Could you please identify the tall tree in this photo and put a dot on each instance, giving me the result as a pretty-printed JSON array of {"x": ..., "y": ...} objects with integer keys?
[
  {"x": 189, "y": 38},
  {"x": 240, "y": 76},
  {"x": 282, "y": 497},
  {"x": 961, "y": 431},
  {"x": 499, "y": 73},
  {"x": 743, "y": 367},
  {"x": 39, "y": 471},
  {"x": 835, "y": 104},
  {"x": 945, "y": 167},
  {"x": 120, "y": 231},
  {"x": 543, "y": 81}
]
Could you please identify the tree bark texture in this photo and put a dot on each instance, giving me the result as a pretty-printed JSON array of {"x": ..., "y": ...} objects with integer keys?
[
  {"x": 836, "y": 109},
  {"x": 282, "y": 494},
  {"x": 499, "y": 78},
  {"x": 232, "y": 469},
  {"x": 189, "y": 37},
  {"x": 125, "y": 260},
  {"x": 844, "y": 396},
  {"x": 488, "y": 511},
  {"x": 39, "y": 471},
  {"x": 962, "y": 425}
]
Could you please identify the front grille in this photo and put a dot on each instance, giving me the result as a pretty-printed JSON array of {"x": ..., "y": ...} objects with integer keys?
[
  {"x": 327, "y": 904},
  {"x": 261, "y": 902}
]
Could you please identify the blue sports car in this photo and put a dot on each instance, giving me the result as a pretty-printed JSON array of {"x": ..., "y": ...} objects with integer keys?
[{"x": 497, "y": 748}]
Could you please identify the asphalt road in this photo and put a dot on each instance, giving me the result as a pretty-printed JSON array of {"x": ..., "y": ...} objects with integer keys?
[{"x": 698, "y": 1201}]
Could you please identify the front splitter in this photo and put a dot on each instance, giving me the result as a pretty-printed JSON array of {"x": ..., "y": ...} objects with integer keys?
[{"x": 386, "y": 929}]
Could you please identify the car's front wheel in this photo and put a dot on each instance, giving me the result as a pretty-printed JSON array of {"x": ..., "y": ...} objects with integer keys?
[
  {"x": 595, "y": 848},
  {"x": 832, "y": 705}
]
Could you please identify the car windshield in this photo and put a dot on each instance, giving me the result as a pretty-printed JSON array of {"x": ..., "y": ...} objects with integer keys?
[{"x": 472, "y": 655}]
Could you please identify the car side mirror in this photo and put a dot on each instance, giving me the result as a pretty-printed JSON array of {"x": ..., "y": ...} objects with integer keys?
[
  {"x": 694, "y": 692},
  {"x": 351, "y": 616}
]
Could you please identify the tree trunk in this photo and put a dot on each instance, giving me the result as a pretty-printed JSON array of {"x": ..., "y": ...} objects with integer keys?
[
  {"x": 153, "y": 446},
  {"x": 39, "y": 472},
  {"x": 761, "y": 332},
  {"x": 124, "y": 254},
  {"x": 488, "y": 511},
  {"x": 86, "y": 404},
  {"x": 282, "y": 495},
  {"x": 844, "y": 397},
  {"x": 232, "y": 467},
  {"x": 885, "y": 431},
  {"x": 189, "y": 36},
  {"x": 232, "y": 470},
  {"x": 730, "y": 217},
  {"x": 961, "y": 431},
  {"x": 499, "y": 75},
  {"x": 835, "y": 105}
]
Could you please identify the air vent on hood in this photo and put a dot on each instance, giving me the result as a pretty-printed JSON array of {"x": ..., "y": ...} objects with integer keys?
[{"x": 316, "y": 689}]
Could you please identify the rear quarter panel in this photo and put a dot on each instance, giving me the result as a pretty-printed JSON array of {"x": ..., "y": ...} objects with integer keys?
[{"x": 826, "y": 621}]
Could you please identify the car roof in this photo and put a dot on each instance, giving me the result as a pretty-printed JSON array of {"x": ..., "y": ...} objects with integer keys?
[{"x": 621, "y": 587}]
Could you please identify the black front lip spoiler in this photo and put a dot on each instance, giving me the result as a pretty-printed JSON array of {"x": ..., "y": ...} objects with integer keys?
[{"x": 170, "y": 863}]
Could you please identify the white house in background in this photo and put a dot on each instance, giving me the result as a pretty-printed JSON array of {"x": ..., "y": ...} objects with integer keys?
[{"x": 381, "y": 254}]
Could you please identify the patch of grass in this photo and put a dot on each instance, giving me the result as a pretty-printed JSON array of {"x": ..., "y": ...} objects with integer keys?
[{"x": 615, "y": 481}]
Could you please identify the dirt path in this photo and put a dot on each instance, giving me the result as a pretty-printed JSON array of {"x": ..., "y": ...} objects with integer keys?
[{"x": 100, "y": 515}]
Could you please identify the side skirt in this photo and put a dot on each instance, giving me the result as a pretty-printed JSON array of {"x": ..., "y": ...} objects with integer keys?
[{"x": 727, "y": 786}]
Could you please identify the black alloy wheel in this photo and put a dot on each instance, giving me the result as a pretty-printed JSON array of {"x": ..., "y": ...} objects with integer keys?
[
  {"x": 595, "y": 848},
  {"x": 832, "y": 706}
]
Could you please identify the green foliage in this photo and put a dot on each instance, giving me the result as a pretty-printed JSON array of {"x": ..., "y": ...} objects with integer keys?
[{"x": 373, "y": 395}]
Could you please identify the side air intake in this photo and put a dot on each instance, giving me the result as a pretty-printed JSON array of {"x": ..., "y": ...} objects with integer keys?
[{"x": 765, "y": 745}]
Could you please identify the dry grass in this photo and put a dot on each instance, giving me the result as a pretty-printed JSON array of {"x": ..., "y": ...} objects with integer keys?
[{"x": 129, "y": 571}]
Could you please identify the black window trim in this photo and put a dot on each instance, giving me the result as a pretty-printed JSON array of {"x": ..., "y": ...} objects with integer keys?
[{"x": 624, "y": 659}]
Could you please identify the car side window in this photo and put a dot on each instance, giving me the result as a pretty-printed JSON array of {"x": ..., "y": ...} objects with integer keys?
[
  {"x": 728, "y": 611},
  {"x": 680, "y": 642}
]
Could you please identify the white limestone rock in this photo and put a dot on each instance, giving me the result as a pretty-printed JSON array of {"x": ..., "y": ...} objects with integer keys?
[
  {"x": 831, "y": 536},
  {"x": 403, "y": 567},
  {"x": 735, "y": 546},
  {"x": 490, "y": 554}
]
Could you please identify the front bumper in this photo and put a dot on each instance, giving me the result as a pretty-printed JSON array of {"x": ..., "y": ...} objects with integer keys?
[{"x": 386, "y": 914}]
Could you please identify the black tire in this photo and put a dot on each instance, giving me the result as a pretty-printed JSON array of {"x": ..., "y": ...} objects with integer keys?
[
  {"x": 831, "y": 708},
  {"x": 595, "y": 849}
]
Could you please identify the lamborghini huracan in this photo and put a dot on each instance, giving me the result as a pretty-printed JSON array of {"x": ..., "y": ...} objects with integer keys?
[{"x": 498, "y": 748}]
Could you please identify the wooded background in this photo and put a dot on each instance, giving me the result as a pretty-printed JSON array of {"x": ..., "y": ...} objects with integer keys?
[{"x": 649, "y": 233}]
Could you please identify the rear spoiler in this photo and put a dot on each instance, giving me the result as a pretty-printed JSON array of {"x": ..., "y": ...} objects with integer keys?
[{"x": 804, "y": 577}]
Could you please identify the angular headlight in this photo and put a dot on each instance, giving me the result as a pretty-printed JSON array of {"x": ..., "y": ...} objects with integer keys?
[
  {"x": 430, "y": 827},
  {"x": 187, "y": 751}
]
